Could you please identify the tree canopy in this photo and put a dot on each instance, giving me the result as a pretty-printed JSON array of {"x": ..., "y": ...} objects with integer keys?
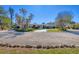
[{"x": 64, "y": 18}]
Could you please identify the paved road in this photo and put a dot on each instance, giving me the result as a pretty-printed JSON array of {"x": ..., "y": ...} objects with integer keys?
[{"x": 39, "y": 38}]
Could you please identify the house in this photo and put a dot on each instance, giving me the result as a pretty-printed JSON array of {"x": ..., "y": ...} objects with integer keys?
[{"x": 44, "y": 26}]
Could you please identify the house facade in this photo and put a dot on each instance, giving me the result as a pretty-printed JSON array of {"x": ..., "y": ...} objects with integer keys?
[{"x": 44, "y": 26}]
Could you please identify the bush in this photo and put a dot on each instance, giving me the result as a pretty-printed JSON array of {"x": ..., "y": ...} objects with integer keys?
[
  {"x": 28, "y": 46},
  {"x": 75, "y": 26},
  {"x": 22, "y": 46},
  {"x": 63, "y": 29},
  {"x": 48, "y": 47},
  {"x": 19, "y": 30},
  {"x": 39, "y": 46}
]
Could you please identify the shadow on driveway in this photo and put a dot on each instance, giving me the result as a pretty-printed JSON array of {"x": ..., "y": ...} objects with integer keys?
[
  {"x": 14, "y": 34},
  {"x": 73, "y": 32}
]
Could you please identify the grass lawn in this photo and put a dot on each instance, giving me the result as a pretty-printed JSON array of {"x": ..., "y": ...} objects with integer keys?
[
  {"x": 39, "y": 51},
  {"x": 53, "y": 30}
]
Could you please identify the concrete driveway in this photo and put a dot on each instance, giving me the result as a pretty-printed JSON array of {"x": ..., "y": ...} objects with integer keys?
[{"x": 39, "y": 38}]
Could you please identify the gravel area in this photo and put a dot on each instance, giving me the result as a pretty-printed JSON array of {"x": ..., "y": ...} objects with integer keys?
[{"x": 39, "y": 38}]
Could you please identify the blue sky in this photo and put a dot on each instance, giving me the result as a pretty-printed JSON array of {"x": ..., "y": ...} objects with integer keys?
[{"x": 46, "y": 13}]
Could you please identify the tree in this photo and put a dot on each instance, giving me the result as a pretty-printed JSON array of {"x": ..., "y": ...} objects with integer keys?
[
  {"x": 63, "y": 18},
  {"x": 23, "y": 12},
  {"x": 75, "y": 26},
  {"x": 18, "y": 20},
  {"x": 11, "y": 12},
  {"x": 28, "y": 20},
  {"x": 2, "y": 11},
  {"x": 4, "y": 20}
]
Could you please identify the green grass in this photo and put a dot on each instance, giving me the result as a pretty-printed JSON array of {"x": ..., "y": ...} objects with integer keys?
[
  {"x": 54, "y": 30},
  {"x": 40, "y": 51}
]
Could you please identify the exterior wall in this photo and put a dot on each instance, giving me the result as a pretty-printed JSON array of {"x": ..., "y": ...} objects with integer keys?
[{"x": 41, "y": 26}]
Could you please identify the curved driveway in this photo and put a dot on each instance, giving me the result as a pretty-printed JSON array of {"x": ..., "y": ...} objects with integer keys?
[{"x": 39, "y": 38}]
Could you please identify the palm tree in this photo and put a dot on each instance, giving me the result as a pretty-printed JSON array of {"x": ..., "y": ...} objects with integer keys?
[{"x": 11, "y": 12}]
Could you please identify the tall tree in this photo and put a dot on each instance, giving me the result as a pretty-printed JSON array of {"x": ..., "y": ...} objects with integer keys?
[
  {"x": 4, "y": 19},
  {"x": 28, "y": 20},
  {"x": 18, "y": 20},
  {"x": 23, "y": 12},
  {"x": 11, "y": 12},
  {"x": 63, "y": 18}
]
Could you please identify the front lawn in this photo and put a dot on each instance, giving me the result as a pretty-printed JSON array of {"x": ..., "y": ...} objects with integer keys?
[
  {"x": 39, "y": 51},
  {"x": 54, "y": 30}
]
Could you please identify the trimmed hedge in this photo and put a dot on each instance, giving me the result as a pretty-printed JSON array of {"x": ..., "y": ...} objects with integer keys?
[{"x": 27, "y": 30}]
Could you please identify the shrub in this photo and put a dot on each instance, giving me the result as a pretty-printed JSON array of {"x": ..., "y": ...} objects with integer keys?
[
  {"x": 39, "y": 46},
  {"x": 73, "y": 46},
  {"x": 19, "y": 30},
  {"x": 66, "y": 46},
  {"x": 61, "y": 46},
  {"x": 9, "y": 46},
  {"x": 14, "y": 46},
  {"x": 17, "y": 46},
  {"x": 48, "y": 47},
  {"x": 28, "y": 46},
  {"x": 57, "y": 47},
  {"x": 22, "y": 46},
  {"x": 44, "y": 47},
  {"x": 2, "y": 45},
  {"x": 75, "y": 26}
]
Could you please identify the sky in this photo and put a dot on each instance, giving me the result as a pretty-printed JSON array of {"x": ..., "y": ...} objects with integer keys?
[{"x": 46, "y": 13}]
